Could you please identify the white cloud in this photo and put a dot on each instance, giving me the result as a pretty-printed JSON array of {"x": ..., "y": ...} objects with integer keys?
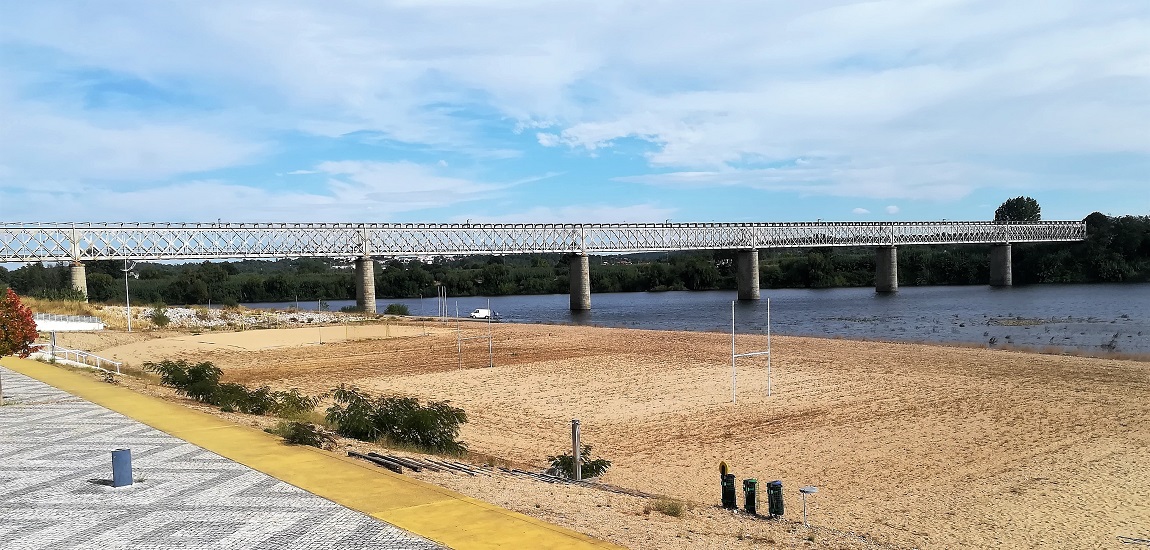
[
  {"x": 860, "y": 211},
  {"x": 547, "y": 140},
  {"x": 892, "y": 209},
  {"x": 354, "y": 191},
  {"x": 909, "y": 99}
]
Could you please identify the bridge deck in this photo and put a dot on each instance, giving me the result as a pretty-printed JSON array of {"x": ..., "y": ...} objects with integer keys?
[{"x": 32, "y": 242}]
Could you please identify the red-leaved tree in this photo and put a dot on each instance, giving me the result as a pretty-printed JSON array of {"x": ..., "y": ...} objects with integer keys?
[{"x": 17, "y": 327}]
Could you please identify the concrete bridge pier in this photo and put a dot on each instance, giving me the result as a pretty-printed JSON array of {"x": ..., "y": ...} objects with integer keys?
[
  {"x": 886, "y": 269},
  {"x": 80, "y": 278},
  {"x": 365, "y": 284},
  {"x": 747, "y": 274},
  {"x": 1001, "y": 273},
  {"x": 580, "y": 274}
]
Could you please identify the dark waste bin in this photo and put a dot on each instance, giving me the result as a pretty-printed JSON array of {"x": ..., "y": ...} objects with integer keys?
[
  {"x": 750, "y": 498},
  {"x": 775, "y": 498},
  {"x": 728, "y": 481}
]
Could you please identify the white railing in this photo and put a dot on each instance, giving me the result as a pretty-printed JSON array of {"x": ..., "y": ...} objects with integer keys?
[
  {"x": 75, "y": 357},
  {"x": 66, "y": 318}
]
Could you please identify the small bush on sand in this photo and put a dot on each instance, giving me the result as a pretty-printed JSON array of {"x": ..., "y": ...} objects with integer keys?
[
  {"x": 302, "y": 433},
  {"x": 666, "y": 506},
  {"x": 397, "y": 309},
  {"x": 402, "y": 420},
  {"x": 202, "y": 383},
  {"x": 159, "y": 315},
  {"x": 564, "y": 465},
  {"x": 198, "y": 381}
]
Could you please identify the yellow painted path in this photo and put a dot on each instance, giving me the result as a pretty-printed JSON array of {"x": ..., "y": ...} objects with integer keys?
[{"x": 427, "y": 510}]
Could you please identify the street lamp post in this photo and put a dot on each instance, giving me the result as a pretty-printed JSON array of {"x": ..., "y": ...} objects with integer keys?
[{"x": 127, "y": 297}]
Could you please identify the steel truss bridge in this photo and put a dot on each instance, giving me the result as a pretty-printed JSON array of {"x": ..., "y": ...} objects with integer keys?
[{"x": 78, "y": 242}]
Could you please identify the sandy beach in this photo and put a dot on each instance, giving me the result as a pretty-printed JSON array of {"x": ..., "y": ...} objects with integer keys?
[{"x": 910, "y": 445}]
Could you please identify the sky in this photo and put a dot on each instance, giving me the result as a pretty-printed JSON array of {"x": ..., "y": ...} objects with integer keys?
[{"x": 539, "y": 111}]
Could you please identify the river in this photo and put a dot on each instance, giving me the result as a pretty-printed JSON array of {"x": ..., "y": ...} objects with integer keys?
[{"x": 1094, "y": 319}]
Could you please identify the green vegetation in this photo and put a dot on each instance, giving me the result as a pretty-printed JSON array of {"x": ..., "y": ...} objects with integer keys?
[
  {"x": 564, "y": 465},
  {"x": 666, "y": 506},
  {"x": 397, "y": 420},
  {"x": 202, "y": 383},
  {"x": 302, "y": 433},
  {"x": 1018, "y": 209},
  {"x": 397, "y": 309},
  {"x": 1117, "y": 249},
  {"x": 159, "y": 315},
  {"x": 400, "y": 420}
]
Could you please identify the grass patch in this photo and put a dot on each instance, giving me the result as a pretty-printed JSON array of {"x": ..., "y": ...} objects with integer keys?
[{"x": 666, "y": 506}]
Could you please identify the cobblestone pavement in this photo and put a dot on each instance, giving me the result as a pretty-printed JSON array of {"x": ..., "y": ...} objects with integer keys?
[{"x": 56, "y": 467}]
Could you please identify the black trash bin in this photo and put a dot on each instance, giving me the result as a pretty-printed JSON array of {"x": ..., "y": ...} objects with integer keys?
[
  {"x": 775, "y": 498},
  {"x": 750, "y": 498},
  {"x": 728, "y": 481}
]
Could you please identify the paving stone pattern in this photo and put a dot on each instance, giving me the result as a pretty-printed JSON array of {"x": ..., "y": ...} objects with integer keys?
[{"x": 55, "y": 493}]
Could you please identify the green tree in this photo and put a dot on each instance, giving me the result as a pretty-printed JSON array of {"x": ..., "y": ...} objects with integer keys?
[{"x": 1018, "y": 209}]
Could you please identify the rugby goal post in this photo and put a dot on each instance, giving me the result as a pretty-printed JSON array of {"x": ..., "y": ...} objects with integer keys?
[{"x": 735, "y": 355}]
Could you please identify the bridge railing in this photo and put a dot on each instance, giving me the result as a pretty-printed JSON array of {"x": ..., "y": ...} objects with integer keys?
[{"x": 142, "y": 241}]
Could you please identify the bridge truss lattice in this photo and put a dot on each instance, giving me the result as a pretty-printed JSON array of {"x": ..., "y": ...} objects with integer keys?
[{"x": 34, "y": 242}]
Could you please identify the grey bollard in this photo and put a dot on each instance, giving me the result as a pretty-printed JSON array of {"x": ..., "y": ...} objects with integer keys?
[{"x": 121, "y": 467}]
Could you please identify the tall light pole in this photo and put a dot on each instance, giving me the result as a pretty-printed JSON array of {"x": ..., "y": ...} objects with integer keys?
[{"x": 127, "y": 297}]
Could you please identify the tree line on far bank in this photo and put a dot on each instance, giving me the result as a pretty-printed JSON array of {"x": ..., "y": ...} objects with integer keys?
[{"x": 1117, "y": 249}]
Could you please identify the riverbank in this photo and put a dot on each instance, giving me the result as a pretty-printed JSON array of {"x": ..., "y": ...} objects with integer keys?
[{"x": 910, "y": 445}]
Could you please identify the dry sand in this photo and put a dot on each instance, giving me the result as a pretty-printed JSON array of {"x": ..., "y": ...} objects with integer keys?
[{"x": 911, "y": 445}]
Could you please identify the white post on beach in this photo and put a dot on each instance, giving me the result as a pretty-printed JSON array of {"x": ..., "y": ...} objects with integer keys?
[
  {"x": 808, "y": 490},
  {"x": 733, "y": 373},
  {"x": 768, "y": 347},
  {"x": 576, "y": 457},
  {"x": 490, "y": 345}
]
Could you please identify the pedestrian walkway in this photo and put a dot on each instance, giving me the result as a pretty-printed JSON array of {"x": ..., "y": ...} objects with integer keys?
[
  {"x": 208, "y": 483},
  {"x": 55, "y": 465}
]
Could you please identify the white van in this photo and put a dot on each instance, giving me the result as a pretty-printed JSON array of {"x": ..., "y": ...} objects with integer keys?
[{"x": 484, "y": 314}]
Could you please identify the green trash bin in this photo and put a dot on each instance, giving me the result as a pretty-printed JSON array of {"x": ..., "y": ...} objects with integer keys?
[
  {"x": 728, "y": 481},
  {"x": 775, "y": 498},
  {"x": 750, "y": 496}
]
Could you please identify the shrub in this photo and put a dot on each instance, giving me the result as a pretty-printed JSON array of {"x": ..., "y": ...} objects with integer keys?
[
  {"x": 292, "y": 403},
  {"x": 351, "y": 309},
  {"x": 198, "y": 381},
  {"x": 401, "y": 420},
  {"x": 300, "y": 433},
  {"x": 564, "y": 465},
  {"x": 202, "y": 383},
  {"x": 397, "y": 309},
  {"x": 665, "y": 506},
  {"x": 159, "y": 315}
]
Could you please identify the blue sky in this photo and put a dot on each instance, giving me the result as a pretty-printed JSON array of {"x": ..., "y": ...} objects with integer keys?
[{"x": 542, "y": 111}]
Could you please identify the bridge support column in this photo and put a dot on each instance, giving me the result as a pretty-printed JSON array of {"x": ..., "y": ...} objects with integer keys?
[
  {"x": 365, "y": 284},
  {"x": 1001, "y": 273},
  {"x": 80, "y": 278},
  {"x": 886, "y": 269},
  {"x": 747, "y": 274},
  {"x": 580, "y": 274}
]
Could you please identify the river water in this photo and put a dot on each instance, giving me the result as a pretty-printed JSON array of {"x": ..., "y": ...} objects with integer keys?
[{"x": 1095, "y": 319}]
